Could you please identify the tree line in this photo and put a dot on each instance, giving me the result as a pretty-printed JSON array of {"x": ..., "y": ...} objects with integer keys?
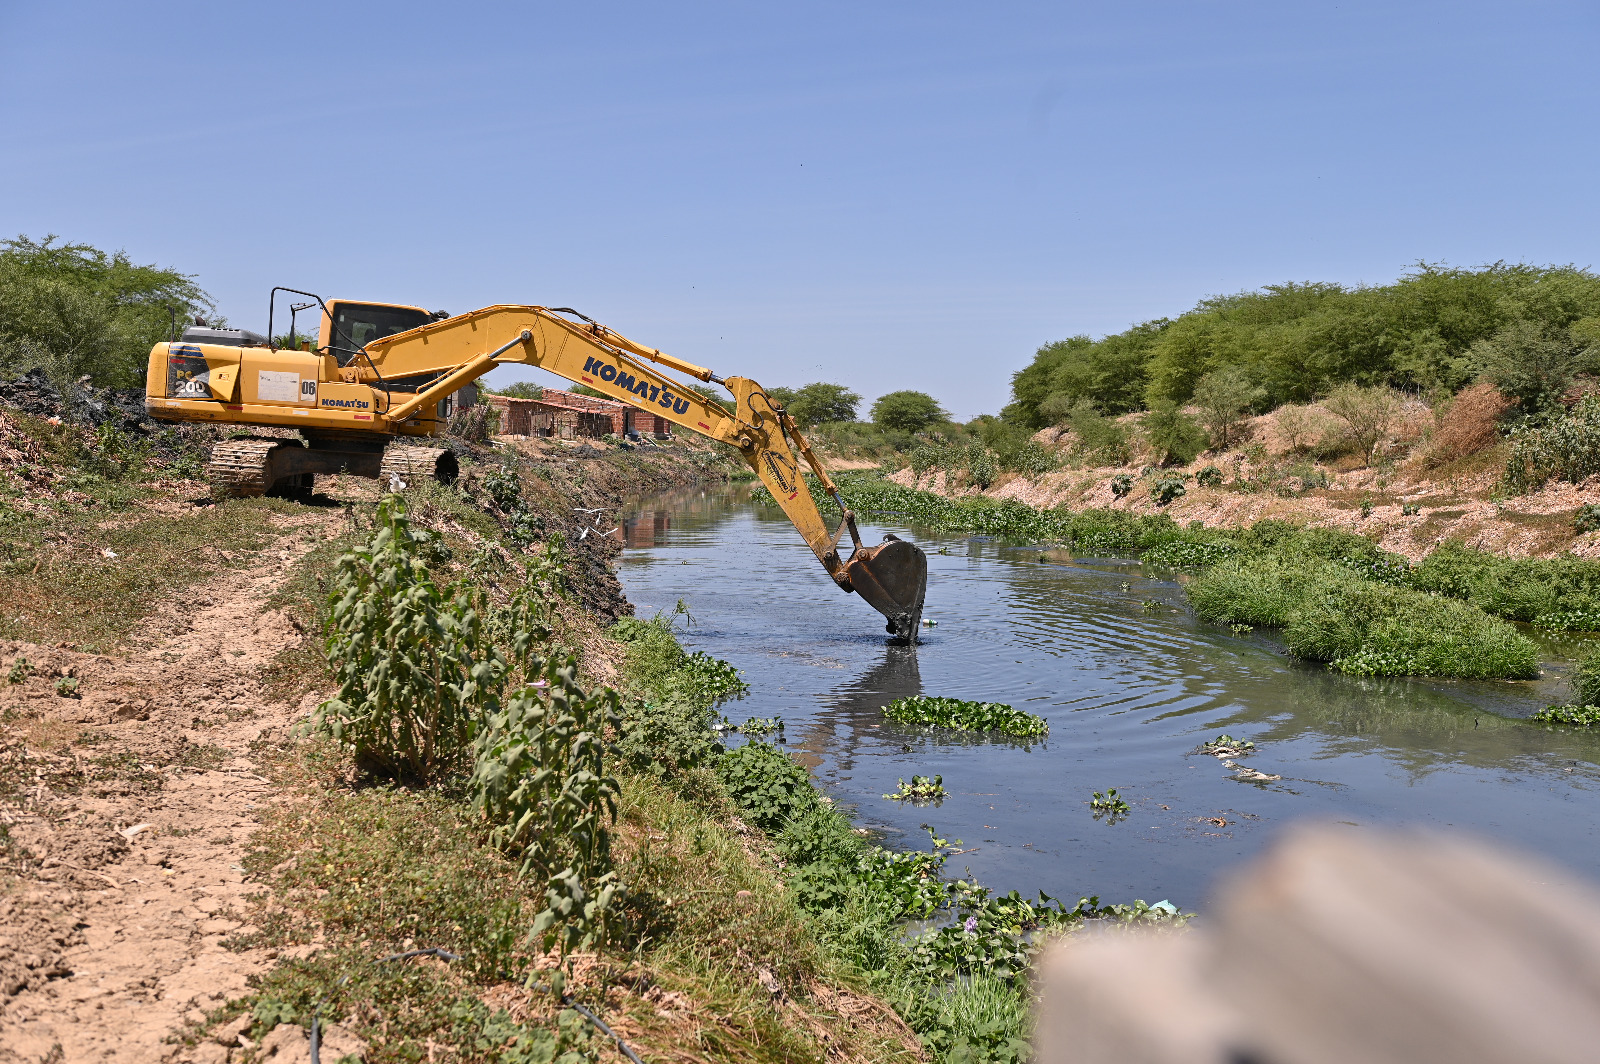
[{"x": 1527, "y": 329}]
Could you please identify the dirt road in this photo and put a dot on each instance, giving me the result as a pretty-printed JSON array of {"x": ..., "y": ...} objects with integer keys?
[{"x": 128, "y": 810}]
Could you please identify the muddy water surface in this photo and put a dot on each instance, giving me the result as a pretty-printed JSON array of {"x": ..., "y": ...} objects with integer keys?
[{"x": 1131, "y": 683}]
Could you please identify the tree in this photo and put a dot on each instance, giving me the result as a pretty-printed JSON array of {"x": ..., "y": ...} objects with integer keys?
[
  {"x": 1533, "y": 362},
  {"x": 74, "y": 309},
  {"x": 1224, "y": 396},
  {"x": 819, "y": 403},
  {"x": 1369, "y": 413},
  {"x": 522, "y": 390},
  {"x": 908, "y": 411},
  {"x": 1173, "y": 435}
]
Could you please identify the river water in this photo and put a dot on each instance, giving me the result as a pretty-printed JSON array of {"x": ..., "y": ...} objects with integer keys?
[{"x": 1130, "y": 690}]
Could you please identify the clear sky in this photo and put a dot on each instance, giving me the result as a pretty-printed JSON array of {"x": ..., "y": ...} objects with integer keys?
[{"x": 888, "y": 195}]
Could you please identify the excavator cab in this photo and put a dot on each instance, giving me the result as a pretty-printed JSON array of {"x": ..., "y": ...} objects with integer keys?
[{"x": 348, "y": 327}]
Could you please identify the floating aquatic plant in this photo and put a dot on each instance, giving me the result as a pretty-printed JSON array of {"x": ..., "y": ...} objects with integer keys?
[
  {"x": 1109, "y": 805},
  {"x": 1571, "y": 716},
  {"x": 920, "y": 789},
  {"x": 1227, "y": 746},
  {"x": 968, "y": 716}
]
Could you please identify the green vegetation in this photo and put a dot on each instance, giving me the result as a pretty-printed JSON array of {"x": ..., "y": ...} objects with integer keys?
[
  {"x": 1340, "y": 599},
  {"x": 1526, "y": 328},
  {"x": 1572, "y": 716},
  {"x": 920, "y": 789},
  {"x": 961, "y": 984},
  {"x": 416, "y": 667},
  {"x": 967, "y": 716},
  {"x": 1110, "y": 805},
  {"x": 1564, "y": 447},
  {"x": 818, "y": 403},
  {"x": 908, "y": 411},
  {"x": 1226, "y": 745},
  {"x": 72, "y": 310}
]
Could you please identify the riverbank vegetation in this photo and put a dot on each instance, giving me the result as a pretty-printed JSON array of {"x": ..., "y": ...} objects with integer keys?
[
  {"x": 474, "y": 787},
  {"x": 1338, "y": 598}
]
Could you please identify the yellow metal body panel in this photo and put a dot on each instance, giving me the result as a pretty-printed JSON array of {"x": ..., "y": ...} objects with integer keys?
[{"x": 458, "y": 350}]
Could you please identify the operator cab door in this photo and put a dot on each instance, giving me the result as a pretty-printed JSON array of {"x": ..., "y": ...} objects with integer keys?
[{"x": 350, "y": 326}]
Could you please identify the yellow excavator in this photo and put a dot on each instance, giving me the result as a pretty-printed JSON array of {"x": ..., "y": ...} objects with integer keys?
[{"x": 382, "y": 379}]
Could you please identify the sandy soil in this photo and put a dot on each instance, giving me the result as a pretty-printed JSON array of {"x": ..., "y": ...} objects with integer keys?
[{"x": 132, "y": 806}]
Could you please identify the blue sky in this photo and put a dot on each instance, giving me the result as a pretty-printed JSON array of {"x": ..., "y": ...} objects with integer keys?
[{"x": 887, "y": 195}]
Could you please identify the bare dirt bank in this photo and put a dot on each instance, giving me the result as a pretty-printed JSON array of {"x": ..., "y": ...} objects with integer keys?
[
  {"x": 1461, "y": 502},
  {"x": 128, "y": 812}
]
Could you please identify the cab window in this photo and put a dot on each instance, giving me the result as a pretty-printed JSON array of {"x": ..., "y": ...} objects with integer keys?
[{"x": 355, "y": 325}]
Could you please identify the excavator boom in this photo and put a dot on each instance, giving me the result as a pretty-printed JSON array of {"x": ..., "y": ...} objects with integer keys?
[{"x": 346, "y": 394}]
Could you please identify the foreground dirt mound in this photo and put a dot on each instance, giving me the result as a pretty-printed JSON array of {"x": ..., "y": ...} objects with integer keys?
[{"x": 127, "y": 792}]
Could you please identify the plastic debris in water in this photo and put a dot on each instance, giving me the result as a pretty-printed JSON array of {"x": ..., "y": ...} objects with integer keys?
[{"x": 929, "y": 622}]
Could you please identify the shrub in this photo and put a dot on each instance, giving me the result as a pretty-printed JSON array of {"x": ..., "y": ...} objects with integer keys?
[
  {"x": 1587, "y": 519},
  {"x": 1099, "y": 439},
  {"x": 1298, "y": 427},
  {"x": 968, "y": 716},
  {"x": 414, "y": 664},
  {"x": 981, "y": 469},
  {"x": 1533, "y": 362},
  {"x": 1122, "y": 484},
  {"x": 540, "y": 778},
  {"x": 476, "y": 423},
  {"x": 1224, "y": 396},
  {"x": 1467, "y": 424},
  {"x": 1566, "y": 448},
  {"x": 1167, "y": 488},
  {"x": 1173, "y": 435},
  {"x": 1209, "y": 477},
  {"x": 766, "y": 784},
  {"x": 1368, "y": 413}
]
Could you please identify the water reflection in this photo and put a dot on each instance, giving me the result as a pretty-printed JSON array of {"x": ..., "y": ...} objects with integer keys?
[{"x": 1130, "y": 681}]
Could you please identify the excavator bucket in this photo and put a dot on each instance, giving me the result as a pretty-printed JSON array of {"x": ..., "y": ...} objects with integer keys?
[{"x": 893, "y": 578}]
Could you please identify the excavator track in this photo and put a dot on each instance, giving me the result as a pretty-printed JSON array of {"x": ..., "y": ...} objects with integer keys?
[
  {"x": 403, "y": 466},
  {"x": 242, "y": 468}
]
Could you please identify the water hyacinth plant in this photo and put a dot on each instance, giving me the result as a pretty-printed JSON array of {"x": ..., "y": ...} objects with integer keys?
[
  {"x": 920, "y": 789},
  {"x": 1109, "y": 805},
  {"x": 1570, "y": 716},
  {"x": 967, "y": 716}
]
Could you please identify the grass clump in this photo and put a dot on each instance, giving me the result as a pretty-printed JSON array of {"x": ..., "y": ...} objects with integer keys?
[
  {"x": 967, "y": 716},
  {"x": 1368, "y": 629},
  {"x": 1557, "y": 594}
]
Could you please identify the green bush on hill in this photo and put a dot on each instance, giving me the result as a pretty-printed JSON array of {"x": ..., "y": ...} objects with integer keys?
[
  {"x": 1527, "y": 328},
  {"x": 74, "y": 310}
]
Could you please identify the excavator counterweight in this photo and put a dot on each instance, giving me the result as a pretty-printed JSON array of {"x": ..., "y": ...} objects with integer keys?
[{"x": 381, "y": 379}]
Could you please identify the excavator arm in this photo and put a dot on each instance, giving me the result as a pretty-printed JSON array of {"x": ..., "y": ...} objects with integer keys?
[{"x": 891, "y": 576}]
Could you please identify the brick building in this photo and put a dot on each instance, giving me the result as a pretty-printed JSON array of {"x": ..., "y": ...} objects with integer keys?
[{"x": 569, "y": 415}]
